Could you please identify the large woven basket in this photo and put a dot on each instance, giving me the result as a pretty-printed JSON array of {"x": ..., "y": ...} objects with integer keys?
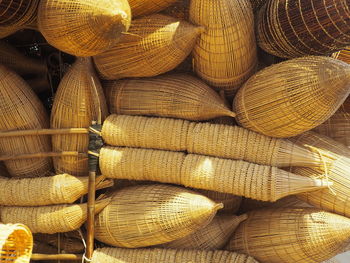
[
  {"x": 79, "y": 101},
  {"x": 291, "y": 97},
  {"x": 225, "y": 54},
  {"x": 83, "y": 27},
  {"x": 147, "y": 7},
  {"x": 16, "y": 243},
  {"x": 178, "y": 96},
  {"x": 21, "y": 109},
  {"x": 154, "y": 45},
  {"x": 289, "y": 235}
]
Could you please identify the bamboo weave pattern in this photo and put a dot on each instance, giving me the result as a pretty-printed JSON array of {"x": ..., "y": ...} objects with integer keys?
[{"x": 147, "y": 7}]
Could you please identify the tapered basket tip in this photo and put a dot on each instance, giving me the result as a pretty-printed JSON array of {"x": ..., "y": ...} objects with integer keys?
[
  {"x": 218, "y": 206},
  {"x": 323, "y": 183}
]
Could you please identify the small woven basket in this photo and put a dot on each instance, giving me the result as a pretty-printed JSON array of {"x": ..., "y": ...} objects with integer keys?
[{"x": 147, "y": 7}]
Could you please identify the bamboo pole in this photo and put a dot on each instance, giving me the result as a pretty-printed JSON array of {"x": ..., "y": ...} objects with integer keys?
[
  {"x": 42, "y": 155},
  {"x": 43, "y": 132},
  {"x": 40, "y": 257}
]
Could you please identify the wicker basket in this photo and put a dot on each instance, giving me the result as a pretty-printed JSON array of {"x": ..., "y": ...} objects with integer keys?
[
  {"x": 289, "y": 235},
  {"x": 147, "y": 7},
  {"x": 225, "y": 54},
  {"x": 343, "y": 55},
  {"x": 79, "y": 100},
  {"x": 178, "y": 96},
  {"x": 21, "y": 109},
  {"x": 16, "y": 243},
  {"x": 292, "y": 97},
  {"x": 83, "y": 27},
  {"x": 154, "y": 45},
  {"x": 149, "y": 215},
  {"x": 66, "y": 242}
]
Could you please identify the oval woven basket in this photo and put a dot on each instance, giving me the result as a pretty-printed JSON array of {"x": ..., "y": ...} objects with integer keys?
[
  {"x": 292, "y": 97},
  {"x": 21, "y": 109},
  {"x": 178, "y": 96},
  {"x": 295, "y": 28},
  {"x": 149, "y": 215},
  {"x": 289, "y": 235},
  {"x": 154, "y": 45},
  {"x": 83, "y": 28},
  {"x": 79, "y": 101},
  {"x": 147, "y": 7},
  {"x": 16, "y": 243}
]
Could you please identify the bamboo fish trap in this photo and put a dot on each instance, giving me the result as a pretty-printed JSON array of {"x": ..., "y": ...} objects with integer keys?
[
  {"x": 154, "y": 45},
  {"x": 50, "y": 219},
  {"x": 83, "y": 27},
  {"x": 79, "y": 100},
  {"x": 292, "y": 97},
  {"x": 149, "y": 215},
  {"x": 241, "y": 178},
  {"x": 289, "y": 235},
  {"x": 225, "y": 54},
  {"x": 295, "y": 28},
  {"x": 178, "y": 96},
  {"x": 224, "y": 141},
  {"x": 142, "y": 7},
  {"x": 213, "y": 236},
  {"x": 20, "y": 109},
  {"x": 149, "y": 255}
]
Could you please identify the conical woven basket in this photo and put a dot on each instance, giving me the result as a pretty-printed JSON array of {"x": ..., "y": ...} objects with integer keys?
[
  {"x": 292, "y": 97},
  {"x": 147, "y": 7},
  {"x": 79, "y": 100},
  {"x": 50, "y": 219},
  {"x": 343, "y": 55},
  {"x": 83, "y": 27},
  {"x": 213, "y": 236},
  {"x": 21, "y": 109},
  {"x": 225, "y": 54},
  {"x": 149, "y": 215},
  {"x": 178, "y": 96},
  {"x": 16, "y": 243},
  {"x": 291, "y": 235},
  {"x": 66, "y": 242},
  {"x": 154, "y": 45}
]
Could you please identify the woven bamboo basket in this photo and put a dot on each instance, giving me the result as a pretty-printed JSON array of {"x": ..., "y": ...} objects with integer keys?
[
  {"x": 66, "y": 242},
  {"x": 83, "y": 27},
  {"x": 21, "y": 109},
  {"x": 180, "y": 10},
  {"x": 154, "y": 45},
  {"x": 147, "y": 215},
  {"x": 291, "y": 235},
  {"x": 294, "y": 96},
  {"x": 343, "y": 55},
  {"x": 16, "y": 243},
  {"x": 204, "y": 138},
  {"x": 156, "y": 255},
  {"x": 213, "y": 236},
  {"x": 241, "y": 178},
  {"x": 17, "y": 13},
  {"x": 142, "y": 7},
  {"x": 225, "y": 54},
  {"x": 295, "y": 28},
  {"x": 79, "y": 100},
  {"x": 177, "y": 95},
  {"x": 50, "y": 219}
]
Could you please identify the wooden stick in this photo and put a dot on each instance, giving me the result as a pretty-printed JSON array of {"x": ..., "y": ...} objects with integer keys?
[
  {"x": 91, "y": 215},
  {"x": 42, "y": 155},
  {"x": 56, "y": 257},
  {"x": 43, "y": 132}
]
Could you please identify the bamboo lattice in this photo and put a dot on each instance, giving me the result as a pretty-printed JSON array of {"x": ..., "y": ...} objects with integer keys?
[{"x": 148, "y": 7}]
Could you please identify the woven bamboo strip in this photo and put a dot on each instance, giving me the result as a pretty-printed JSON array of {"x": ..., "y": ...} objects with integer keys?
[
  {"x": 79, "y": 100},
  {"x": 20, "y": 109},
  {"x": 147, "y": 7},
  {"x": 153, "y": 45},
  {"x": 241, "y": 178},
  {"x": 289, "y": 235},
  {"x": 225, "y": 54},
  {"x": 149, "y": 215},
  {"x": 50, "y": 219},
  {"x": 294, "y": 96},
  {"x": 44, "y": 132},
  {"x": 16, "y": 243},
  {"x": 343, "y": 55},
  {"x": 67, "y": 242},
  {"x": 176, "y": 95}
]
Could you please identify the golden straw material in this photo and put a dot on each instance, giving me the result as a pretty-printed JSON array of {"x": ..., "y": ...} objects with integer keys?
[
  {"x": 225, "y": 54},
  {"x": 21, "y": 109},
  {"x": 292, "y": 97},
  {"x": 289, "y": 235},
  {"x": 343, "y": 55},
  {"x": 149, "y": 215},
  {"x": 293, "y": 28},
  {"x": 157, "y": 255},
  {"x": 204, "y": 138},
  {"x": 241, "y": 178},
  {"x": 83, "y": 27},
  {"x": 213, "y": 236},
  {"x": 67, "y": 242},
  {"x": 147, "y": 7},
  {"x": 16, "y": 243},
  {"x": 176, "y": 95},
  {"x": 58, "y": 189},
  {"x": 154, "y": 45},
  {"x": 79, "y": 101},
  {"x": 50, "y": 219}
]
